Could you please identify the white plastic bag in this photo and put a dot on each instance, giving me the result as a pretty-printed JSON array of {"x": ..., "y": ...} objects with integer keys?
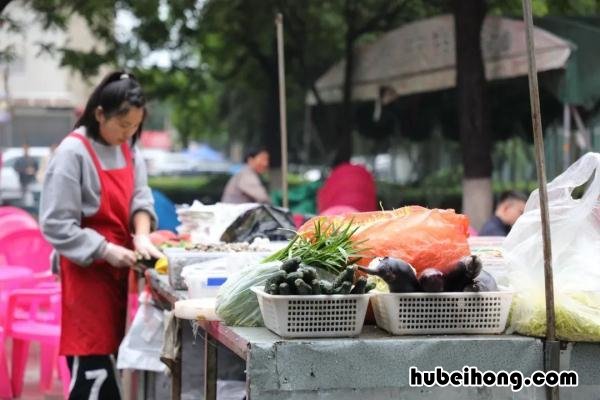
[
  {"x": 141, "y": 346},
  {"x": 575, "y": 235}
]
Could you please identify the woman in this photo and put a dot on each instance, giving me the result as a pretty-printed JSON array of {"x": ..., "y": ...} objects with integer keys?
[
  {"x": 96, "y": 208},
  {"x": 246, "y": 186}
]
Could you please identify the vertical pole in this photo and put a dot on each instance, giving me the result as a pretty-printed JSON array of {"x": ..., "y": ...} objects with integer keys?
[
  {"x": 566, "y": 137},
  {"x": 210, "y": 367},
  {"x": 10, "y": 123},
  {"x": 282, "y": 110},
  {"x": 176, "y": 373},
  {"x": 552, "y": 347}
]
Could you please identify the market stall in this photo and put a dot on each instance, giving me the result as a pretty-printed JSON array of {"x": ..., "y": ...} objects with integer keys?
[
  {"x": 373, "y": 361},
  {"x": 390, "y": 304},
  {"x": 375, "y": 364}
]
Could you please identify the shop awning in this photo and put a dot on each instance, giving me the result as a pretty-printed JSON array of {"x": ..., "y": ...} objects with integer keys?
[{"x": 420, "y": 57}]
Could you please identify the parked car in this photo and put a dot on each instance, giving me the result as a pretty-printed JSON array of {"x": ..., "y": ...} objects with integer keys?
[
  {"x": 10, "y": 188},
  {"x": 161, "y": 162}
]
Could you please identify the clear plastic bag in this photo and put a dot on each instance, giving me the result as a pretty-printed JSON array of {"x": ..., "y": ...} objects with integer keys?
[
  {"x": 141, "y": 346},
  {"x": 575, "y": 234},
  {"x": 237, "y": 305}
]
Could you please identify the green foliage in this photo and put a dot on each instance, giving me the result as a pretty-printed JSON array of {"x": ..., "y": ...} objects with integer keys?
[
  {"x": 220, "y": 81},
  {"x": 545, "y": 7}
]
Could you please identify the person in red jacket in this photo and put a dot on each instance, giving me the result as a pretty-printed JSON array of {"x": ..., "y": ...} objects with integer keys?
[{"x": 349, "y": 185}]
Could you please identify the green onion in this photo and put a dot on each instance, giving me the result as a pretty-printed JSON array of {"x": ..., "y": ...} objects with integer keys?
[{"x": 330, "y": 248}]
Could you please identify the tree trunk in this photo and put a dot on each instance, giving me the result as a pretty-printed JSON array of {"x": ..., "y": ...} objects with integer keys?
[
  {"x": 344, "y": 142},
  {"x": 472, "y": 111}
]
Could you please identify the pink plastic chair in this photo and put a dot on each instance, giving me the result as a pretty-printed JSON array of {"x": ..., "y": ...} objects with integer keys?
[
  {"x": 11, "y": 279},
  {"x": 13, "y": 222},
  {"x": 5, "y": 385},
  {"x": 43, "y": 326},
  {"x": 10, "y": 210},
  {"x": 27, "y": 248}
]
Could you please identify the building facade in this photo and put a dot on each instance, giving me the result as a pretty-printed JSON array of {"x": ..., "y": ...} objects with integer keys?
[{"x": 38, "y": 97}]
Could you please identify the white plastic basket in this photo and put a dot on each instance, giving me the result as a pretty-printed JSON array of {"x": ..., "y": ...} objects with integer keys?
[
  {"x": 339, "y": 315},
  {"x": 435, "y": 313}
]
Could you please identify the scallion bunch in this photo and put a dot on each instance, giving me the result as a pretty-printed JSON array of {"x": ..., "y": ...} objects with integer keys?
[{"x": 330, "y": 248}]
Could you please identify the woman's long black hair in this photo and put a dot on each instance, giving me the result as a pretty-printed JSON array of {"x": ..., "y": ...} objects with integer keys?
[{"x": 116, "y": 94}]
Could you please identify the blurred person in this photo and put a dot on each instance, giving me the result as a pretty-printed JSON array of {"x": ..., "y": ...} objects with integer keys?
[
  {"x": 96, "y": 209},
  {"x": 26, "y": 167},
  {"x": 349, "y": 188},
  {"x": 246, "y": 186},
  {"x": 510, "y": 207}
]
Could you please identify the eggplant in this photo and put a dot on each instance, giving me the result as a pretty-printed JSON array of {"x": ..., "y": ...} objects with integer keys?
[
  {"x": 462, "y": 273},
  {"x": 432, "y": 280},
  {"x": 399, "y": 275},
  {"x": 484, "y": 282}
]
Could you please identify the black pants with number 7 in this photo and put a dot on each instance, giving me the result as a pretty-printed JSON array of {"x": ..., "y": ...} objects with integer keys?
[{"x": 94, "y": 378}]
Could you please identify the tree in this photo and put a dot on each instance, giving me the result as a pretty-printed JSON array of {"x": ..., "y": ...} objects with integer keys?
[
  {"x": 475, "y": 136},
  {"x": 473, "y": 115}
]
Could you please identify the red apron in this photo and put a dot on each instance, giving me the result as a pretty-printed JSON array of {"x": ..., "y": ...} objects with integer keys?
[{"x": 94, "y": 298}]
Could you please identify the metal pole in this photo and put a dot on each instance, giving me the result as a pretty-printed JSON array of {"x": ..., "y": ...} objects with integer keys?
[
  {"x": 566, "y": 136},
  {"x": 552, "y": 347},
  {"x": 210, "y": 366},
  {"x": 282, "y": 110}
]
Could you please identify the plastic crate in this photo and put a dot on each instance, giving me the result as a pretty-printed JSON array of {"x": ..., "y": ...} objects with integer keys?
[
  {"x": 339, "y": 315},
  {"x": 435, "y": 313},
  {"x": 179, "y": 258}
]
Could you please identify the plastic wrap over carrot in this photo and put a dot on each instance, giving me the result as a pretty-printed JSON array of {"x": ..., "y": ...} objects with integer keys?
[{"x": 420, "y": 236}]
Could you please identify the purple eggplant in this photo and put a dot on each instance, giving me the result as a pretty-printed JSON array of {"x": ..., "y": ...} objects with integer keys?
[
  {"x": 462, "y": 273},
  {"x": 484, "y": 282},
  {"x": 399, "y": 275},
  {"x": 432, "y": 280}
]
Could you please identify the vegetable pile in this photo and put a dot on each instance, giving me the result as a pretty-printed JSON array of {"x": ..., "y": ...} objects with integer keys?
[
  {"x": 466, "y": 275},
  {"x": 328, "y": 247},
  {"x": 577, "y": 316},
  {"x": 298, "y": 278}
]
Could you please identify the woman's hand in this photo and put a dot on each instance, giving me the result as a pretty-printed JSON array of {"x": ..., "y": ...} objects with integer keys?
[
  {"x": 143, "y": 245},
  {"x": 118, "y": 256}
]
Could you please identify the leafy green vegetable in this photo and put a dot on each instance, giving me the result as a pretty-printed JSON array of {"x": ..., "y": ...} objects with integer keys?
[
  {"x": 330, "y": 248},
  {"x": 577, "y": 316}
]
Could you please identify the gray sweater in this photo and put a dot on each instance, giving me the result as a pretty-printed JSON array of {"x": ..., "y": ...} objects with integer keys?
[
  {"x": 245, "y": 187},
  {"x": 72, "y": 190}
]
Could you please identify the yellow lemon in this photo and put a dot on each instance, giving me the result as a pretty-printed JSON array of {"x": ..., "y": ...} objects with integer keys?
[{"x": 162, "y": 265}]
